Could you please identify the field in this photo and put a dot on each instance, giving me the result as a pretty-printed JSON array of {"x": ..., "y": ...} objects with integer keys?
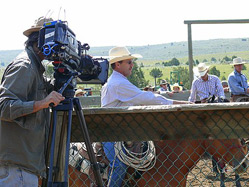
[{"x": 225, "y": 70}]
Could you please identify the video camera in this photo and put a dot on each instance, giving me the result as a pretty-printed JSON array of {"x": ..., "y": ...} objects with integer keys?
[{"x": 58, "y": 44}]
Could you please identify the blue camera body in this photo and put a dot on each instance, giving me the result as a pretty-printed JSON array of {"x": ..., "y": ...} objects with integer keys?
[{"x": 58, "y": 43}]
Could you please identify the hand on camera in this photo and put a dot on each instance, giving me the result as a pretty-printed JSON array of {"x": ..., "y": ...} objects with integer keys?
[{"x": 54, "y": 97}]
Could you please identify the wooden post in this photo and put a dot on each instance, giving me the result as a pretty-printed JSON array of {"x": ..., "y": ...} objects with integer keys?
[{"x": 190, "y": 54}]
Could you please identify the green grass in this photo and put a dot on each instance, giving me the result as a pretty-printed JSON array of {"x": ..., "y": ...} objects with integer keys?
[
  {"x": 200, "y": 58},
  {"x": 225, "y": 70}
]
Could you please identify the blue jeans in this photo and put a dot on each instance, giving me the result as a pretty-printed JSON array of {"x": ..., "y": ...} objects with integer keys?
[
  {"x": 119, "y": 168},
  {"x": 11, "y": 176}
]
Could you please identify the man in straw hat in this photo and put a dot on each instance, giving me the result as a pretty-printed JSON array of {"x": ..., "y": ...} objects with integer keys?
[
  {"x": 237, "y": 81},
  {"x": 176, "y": 88},
  {"x": 80, "y": 93},
  {"x": 205, "y": 85},
  {"x": 24, "y": 103},
  {"x": 165, "y": 88},
  {"x": 119, "y": 91}
]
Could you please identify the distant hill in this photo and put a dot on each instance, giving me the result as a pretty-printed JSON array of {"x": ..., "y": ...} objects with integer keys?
[{"x": 162, "y": 52}]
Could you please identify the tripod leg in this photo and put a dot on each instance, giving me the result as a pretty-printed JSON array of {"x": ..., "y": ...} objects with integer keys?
[
  {"x": 61, "y": 143},
  {"x": 96, "y": 168},
  {"x": 51, "y": 163},
  {"x": 67, "y": 106},
  {"x": 70, "y": 114},
  {"x": 45, "y": 180}
]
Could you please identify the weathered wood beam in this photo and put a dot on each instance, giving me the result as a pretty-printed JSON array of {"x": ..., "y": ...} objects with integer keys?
[{"x": 222, "y": 120}]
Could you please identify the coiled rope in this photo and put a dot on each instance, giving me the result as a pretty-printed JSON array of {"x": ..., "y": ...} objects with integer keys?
[{"x": 140, "y": 161}]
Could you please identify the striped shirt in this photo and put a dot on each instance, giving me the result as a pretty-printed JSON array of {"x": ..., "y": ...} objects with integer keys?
[{"x": 206, "y": 88}]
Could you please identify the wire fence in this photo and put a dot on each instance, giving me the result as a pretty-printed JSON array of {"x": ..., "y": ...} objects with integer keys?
[{"x": 192, "y": 145}]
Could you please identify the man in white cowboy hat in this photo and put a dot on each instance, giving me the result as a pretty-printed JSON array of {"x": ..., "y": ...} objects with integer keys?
[
  {"x": 176, "y": 88},
  {"x": 24, "y": 101},
  {"x": 237, "y": 81},
  {"x": 205, "y": 85},
  {"x": 119, "y": 91},
  {"x": 80, "y": 93}
]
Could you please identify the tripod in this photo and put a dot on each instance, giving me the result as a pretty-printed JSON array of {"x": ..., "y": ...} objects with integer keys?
[{"x": 67, "y": 106}]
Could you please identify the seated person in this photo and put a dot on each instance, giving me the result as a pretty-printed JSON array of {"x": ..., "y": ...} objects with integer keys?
[
  {"x": 237, "y": 81},
  {"x": 225, "y": 86},
  {"x": 149, "y": 88},
  {"x": 176, "y": 88},
  {"x": 205, "y": 85},
  {"x": 80, "y": 93},
  {"x": 165, "y": 88}
]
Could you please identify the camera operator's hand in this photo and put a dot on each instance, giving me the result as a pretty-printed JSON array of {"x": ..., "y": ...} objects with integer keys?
[{"x": 54, "y": 97}]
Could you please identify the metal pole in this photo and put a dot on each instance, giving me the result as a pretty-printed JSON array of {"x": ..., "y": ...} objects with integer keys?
[{"x": 190, "y": 54}]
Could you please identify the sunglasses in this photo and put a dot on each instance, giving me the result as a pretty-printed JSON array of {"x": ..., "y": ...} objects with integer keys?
[{"x": 130, "y": 62}]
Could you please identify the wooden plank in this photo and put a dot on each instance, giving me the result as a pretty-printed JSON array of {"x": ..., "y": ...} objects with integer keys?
[
  {"x": 96, "y": 100},
  {"x": 222, "y": 120},
  {"x": 227, "y": 21}
]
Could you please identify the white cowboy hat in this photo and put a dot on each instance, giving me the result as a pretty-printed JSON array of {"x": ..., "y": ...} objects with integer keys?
[
  {"x": 237, "y": 61},
  {"x": 121, "y": 53},
  {"x": 37, "y": 25},
  {"x": 79, "y": 91},
  {"x": 176, "y": 85},
  {"x": 200, "y": 70}
]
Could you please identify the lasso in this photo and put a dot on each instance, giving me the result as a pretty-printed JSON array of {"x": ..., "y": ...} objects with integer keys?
[{"x": 140, "y": 161}]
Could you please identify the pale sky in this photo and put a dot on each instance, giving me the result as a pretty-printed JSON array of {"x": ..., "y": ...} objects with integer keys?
[{"x": 125, "y": 22}]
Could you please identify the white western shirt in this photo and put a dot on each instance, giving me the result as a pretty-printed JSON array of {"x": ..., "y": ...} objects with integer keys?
[{"x": 119, "y": 91}]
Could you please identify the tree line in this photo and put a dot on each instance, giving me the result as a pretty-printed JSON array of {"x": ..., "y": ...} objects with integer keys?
[
  {"x": 137, "y": 77},
  {"x": 156, "y": 73}
]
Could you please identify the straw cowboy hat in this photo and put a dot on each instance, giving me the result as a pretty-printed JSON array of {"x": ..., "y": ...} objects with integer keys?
[
  {"x": 149, "y": 87},
  {"x": 79, "y": 91},
  {"x": 176, "y": 85},
  {"x": 37, "y": 25},
  {"x": 201, "y": 70},
  {"x": 237, "y": 61},
  {"x": 121, "y": 53}
]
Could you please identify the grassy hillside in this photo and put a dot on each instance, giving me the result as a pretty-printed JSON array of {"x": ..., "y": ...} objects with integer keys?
[
  {"x": 225, "y": 70},
  {"x": 154, "y": 55},
  {"x": 217, "y": 48}
]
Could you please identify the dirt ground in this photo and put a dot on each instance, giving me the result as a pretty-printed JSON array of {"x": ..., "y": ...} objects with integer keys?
[{"x": 202, "y": 175}]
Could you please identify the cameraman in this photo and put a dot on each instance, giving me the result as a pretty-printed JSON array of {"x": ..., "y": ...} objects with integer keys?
[
  {"x": 24, "y": 102},
  {"x": 119, "y": 91}
]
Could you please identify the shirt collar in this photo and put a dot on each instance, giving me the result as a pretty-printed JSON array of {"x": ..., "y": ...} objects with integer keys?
[
  {"x": 209, "y": 78},
  {"x": 35, "y": 58},
  {"x": 118, "y": 74},
  {"x": 237, "y": 73}
]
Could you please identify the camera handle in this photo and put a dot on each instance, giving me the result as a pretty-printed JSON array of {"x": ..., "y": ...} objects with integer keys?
[{"x": 68, "y": 105}]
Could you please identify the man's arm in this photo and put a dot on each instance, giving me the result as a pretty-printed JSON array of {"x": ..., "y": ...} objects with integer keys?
[
  {"x": 14, "y": 93},
  {"x": 193, "y": 91},
  {"x": 220, "y": 90},
  {"x": 182, "y": 102},
  {"x": 129, "y": 93},
  {"x": 235, "y": 87},
  {"x": 54, "y": 97}
]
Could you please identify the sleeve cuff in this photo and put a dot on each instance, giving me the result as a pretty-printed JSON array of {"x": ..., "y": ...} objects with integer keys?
[{"x": 28, "y": 107}]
